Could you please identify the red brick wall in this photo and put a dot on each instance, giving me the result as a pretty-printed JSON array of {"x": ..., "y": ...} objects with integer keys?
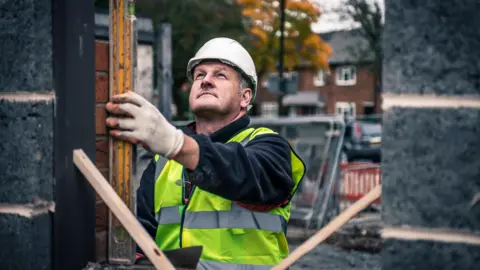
[
  {"x": 102, "y": 149},
  {"x": 362, "y": 91}
]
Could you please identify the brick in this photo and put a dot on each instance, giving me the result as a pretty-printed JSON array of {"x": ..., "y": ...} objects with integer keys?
[
  {"x": 101, "y": 56},
  {"x": 100, "y": 116},
  {"x": 101, "y": 157},
  {"x": 401, "y": 254},
  {"x": 26, "y": 242},
  {"x": 431, "y": 167},
  {"x": 101, "y": 87},
  {"x": 26, "y": 151},
  {"x": 429, "y": 47},
  {"x": 101, "y": 216},
  {"x": 26, "y": 46}
]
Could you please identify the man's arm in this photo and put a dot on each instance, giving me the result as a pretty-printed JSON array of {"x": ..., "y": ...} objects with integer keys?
[{"x": 259, "y": 173}]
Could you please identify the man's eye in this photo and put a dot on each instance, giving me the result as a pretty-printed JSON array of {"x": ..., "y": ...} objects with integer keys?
[
  {"x": 221, "y": 75},
  {"x": 199, "y": 76}
]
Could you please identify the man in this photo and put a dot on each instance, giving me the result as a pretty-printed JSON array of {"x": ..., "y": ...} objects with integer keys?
[{"x": 224, "y": 186}]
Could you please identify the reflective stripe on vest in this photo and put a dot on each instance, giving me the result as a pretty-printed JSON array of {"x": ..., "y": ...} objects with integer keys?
[
  {"x": 210, "y": 265},
  {"x": 168, "y": 215},
  {"x": 237, "y": 218}
]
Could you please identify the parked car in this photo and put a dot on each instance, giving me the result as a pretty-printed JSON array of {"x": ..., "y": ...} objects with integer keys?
[{"x": 362, "y": 141}]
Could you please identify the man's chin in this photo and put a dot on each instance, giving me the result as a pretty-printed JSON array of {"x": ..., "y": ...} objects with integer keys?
[{"x": 207, "y": 111}]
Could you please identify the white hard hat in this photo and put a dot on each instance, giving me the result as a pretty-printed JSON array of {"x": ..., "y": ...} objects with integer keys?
[{"x": 229, "y": 52}]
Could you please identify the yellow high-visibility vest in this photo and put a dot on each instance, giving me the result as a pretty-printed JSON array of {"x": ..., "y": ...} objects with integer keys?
[{"x": 232, "y": 237}]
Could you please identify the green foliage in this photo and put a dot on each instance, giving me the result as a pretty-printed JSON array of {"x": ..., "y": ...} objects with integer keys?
[{"x": 193, "y": 23}]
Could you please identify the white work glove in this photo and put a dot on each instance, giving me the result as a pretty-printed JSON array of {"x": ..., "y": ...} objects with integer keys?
[{"x": 143, "y": 124}]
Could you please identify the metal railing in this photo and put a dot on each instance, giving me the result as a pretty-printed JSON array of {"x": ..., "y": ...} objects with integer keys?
[{"x": 318, "y": 142}]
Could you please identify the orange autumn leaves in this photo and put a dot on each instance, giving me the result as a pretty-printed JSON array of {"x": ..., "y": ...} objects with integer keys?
[{"x": 302, "y": 46}]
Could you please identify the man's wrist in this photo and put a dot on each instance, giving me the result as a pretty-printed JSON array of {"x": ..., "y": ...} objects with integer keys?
[{"x": 189, "y": 154}]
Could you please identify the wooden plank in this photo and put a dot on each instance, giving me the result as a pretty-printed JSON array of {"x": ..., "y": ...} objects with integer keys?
[
  {"x": 330, "y": 228},
  {"x": 120, "y": 210}
]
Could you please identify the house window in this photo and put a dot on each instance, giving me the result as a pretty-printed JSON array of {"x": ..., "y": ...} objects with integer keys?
[
  {"x": 347, "y": 109},
  {"x": 368, "y": 108},
  {"x": 346, "y": 75},
  {"x": 320, "y": 78},
  {"x": 269, "y": 109}
]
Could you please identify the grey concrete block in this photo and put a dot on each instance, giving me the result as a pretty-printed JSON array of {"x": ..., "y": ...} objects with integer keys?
[
  {"x": 26, "y": 45},
  {"x": 431, "y": 47},
  {"x": 26, "y": 151},
  {"x": 26, "y": 243},
  {"x": 402, "y": 255},
  {"x": 431, "y": 167}
]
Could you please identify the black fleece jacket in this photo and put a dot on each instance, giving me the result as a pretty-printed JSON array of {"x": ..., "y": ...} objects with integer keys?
[{"x": 259, "y": 173}]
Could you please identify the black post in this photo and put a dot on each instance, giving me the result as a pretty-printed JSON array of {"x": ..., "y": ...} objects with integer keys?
[
  {"x": 281, "y": 110},
  {"x": 74, "y": 83},
  {"x": 164, "y": 68}
]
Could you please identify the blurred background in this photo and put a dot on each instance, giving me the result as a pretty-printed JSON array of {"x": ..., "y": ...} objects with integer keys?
[{"x": 329, "y": 61}]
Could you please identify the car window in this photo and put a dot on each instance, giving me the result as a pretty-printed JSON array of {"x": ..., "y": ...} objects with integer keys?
[{"x": 371, "y": 129}]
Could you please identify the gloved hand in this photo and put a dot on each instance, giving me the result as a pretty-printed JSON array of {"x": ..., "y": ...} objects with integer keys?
[{"x": 143, "y": 124}]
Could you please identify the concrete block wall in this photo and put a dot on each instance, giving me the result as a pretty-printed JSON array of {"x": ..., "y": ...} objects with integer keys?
[
  {"x": 26, "y": 135},
  {"x": 431, "y": 136}
]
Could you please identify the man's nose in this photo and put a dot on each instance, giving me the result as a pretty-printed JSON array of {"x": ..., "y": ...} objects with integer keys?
[{"x": 207, "y": 81}]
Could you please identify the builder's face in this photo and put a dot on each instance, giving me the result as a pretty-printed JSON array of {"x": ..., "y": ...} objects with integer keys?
[{"x": 216, "y": 91}]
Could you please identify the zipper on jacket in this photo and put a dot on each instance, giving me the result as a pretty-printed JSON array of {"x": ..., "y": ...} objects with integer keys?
[{"x": 185, "y": 202}]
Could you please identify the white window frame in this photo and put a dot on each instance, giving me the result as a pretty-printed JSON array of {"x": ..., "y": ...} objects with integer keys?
[
  {"x": 346, "y": 109},
  {"x": 269, "y": 109},
  {"x": 346, "y": 75},
  {"x": 320, "y": 78}
]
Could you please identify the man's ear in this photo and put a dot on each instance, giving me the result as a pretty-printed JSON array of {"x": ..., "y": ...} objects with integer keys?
[{"x": 246, "y": 97}]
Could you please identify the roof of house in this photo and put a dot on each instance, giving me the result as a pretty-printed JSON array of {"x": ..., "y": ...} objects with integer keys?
[{"x": 348, "y": 46}]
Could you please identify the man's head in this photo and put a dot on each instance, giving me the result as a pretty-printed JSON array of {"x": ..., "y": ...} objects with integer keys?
[{"x": 224, "y": 79}]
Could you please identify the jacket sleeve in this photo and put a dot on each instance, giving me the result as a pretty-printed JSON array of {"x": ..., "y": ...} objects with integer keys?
[
  {"x": 259, "y": 173},
  {"x": 145, "y": 201}
]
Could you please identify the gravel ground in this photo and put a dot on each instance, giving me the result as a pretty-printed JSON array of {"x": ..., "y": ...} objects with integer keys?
[
  {"x": 355, "y": 247},
  {"x": 326, "y": 256}
]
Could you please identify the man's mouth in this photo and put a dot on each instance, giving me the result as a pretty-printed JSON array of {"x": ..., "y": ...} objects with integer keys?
[{"x": 203, "y": 94}]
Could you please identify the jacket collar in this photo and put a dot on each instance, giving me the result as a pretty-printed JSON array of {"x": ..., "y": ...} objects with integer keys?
[{"x": 224, "y": 134}]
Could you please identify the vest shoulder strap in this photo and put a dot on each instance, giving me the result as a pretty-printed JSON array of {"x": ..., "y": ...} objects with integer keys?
[{"x": 159, "y": 165}]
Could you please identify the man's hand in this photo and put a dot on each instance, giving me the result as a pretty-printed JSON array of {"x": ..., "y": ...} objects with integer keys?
[{"x": 138, "y": 121}]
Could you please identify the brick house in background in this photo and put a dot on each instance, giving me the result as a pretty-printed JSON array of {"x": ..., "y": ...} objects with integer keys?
[{"x": 349, "y": 85}]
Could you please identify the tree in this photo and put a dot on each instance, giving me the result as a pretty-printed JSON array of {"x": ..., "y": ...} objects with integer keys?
[
  {"x": 367, "y": 16},
  {"x": 193, "y": 23},
  {"x": 302, "y": 45}
]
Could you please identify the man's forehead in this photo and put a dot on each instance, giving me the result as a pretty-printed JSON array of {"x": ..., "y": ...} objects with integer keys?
[{"x": 213, "y": 65}]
